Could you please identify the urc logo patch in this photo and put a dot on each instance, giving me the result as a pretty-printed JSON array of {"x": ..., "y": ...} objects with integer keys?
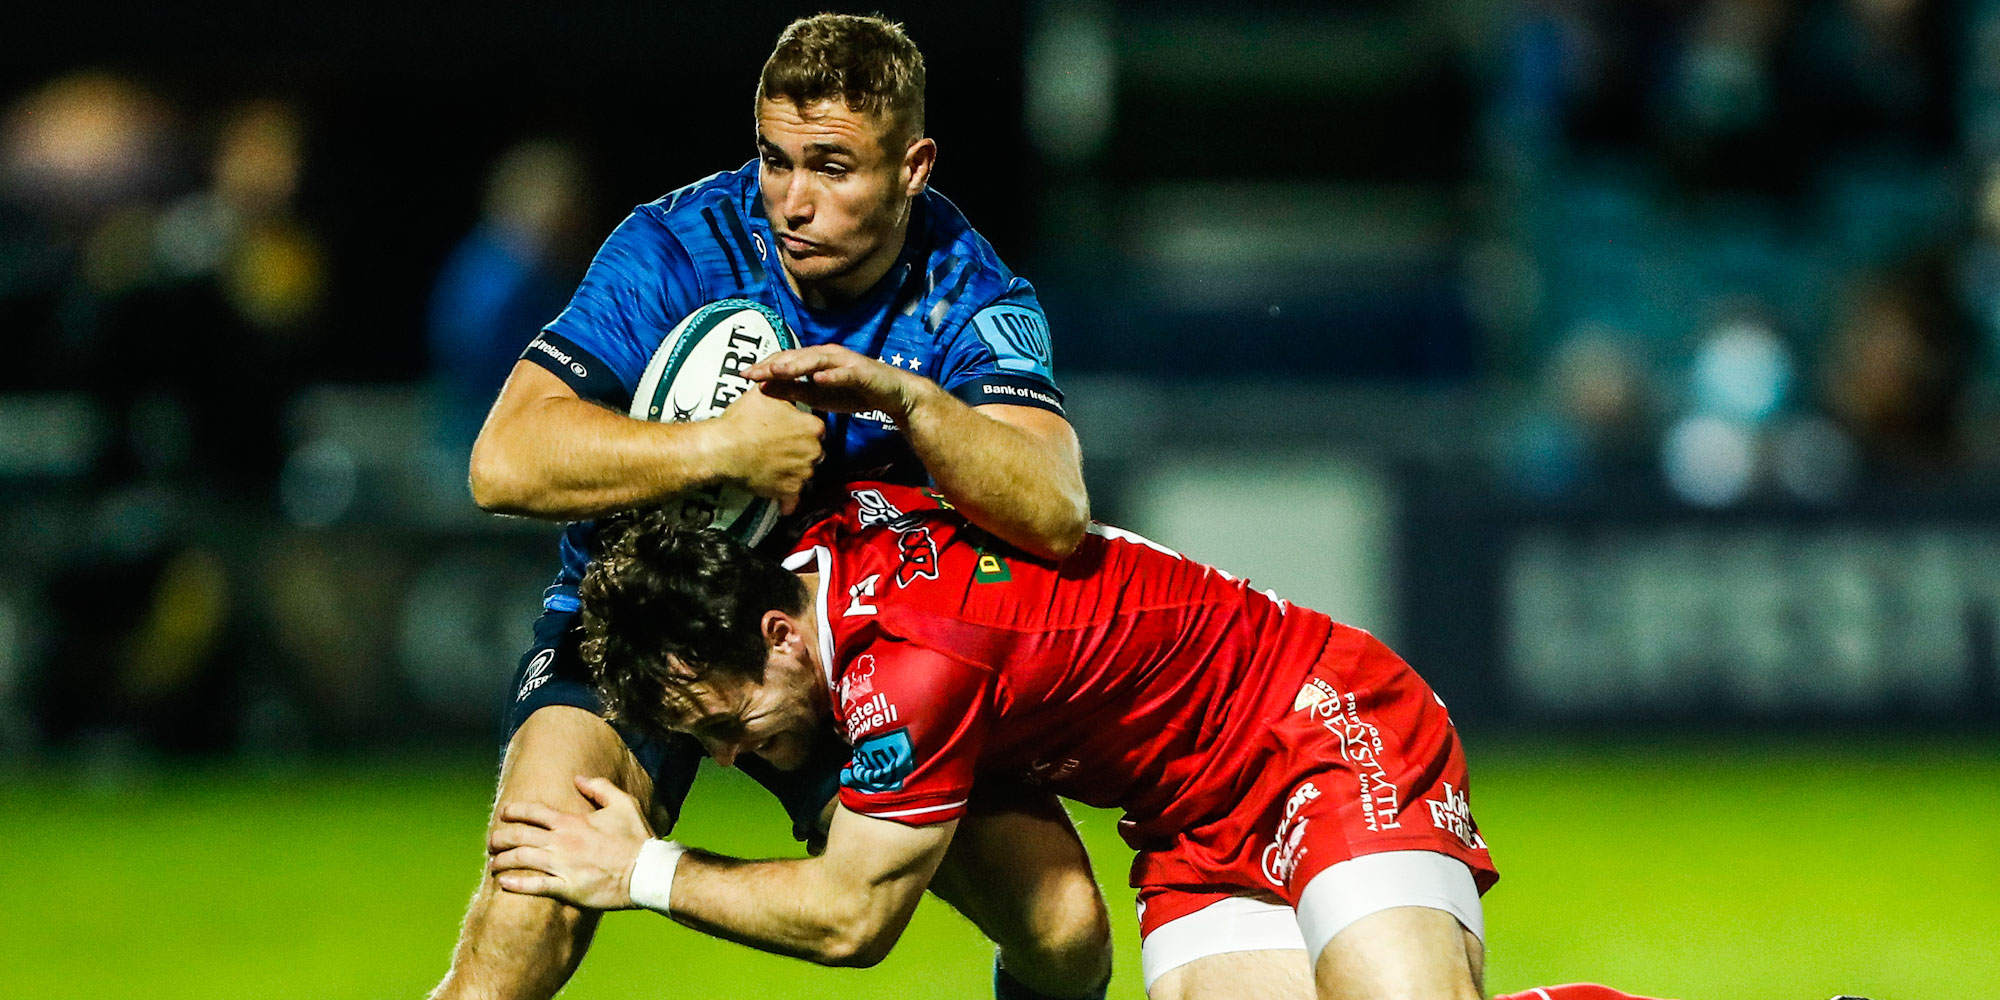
[{"x": 880, "y": 763}]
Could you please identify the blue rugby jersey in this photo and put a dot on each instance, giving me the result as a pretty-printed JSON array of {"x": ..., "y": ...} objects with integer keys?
[{"x": 948, "y": 310}]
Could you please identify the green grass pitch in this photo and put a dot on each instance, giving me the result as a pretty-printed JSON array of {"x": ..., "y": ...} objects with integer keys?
[{"x": 1715, "y": 870}]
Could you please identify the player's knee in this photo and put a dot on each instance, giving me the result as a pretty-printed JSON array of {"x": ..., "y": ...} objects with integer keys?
[
  {"x": 1068, "y": 936},
  {"x": 1078, "y": 925}
]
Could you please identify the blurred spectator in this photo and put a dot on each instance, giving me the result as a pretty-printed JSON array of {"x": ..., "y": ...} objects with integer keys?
[
  {"x": 1718, "y": 113},
  {"x": 1592, "y": 420},
  {"x": 82, "y": 160},
  {"x": 196, "y": 320},
  {"x": 1979, "y": 265},
  {"x": 82, "y": 144},
  {"x": 273, "y": 275},
  {"x": 204, "y": 352},
  {"x": 1549, "y": 58},
  {"x": 1891, "y": 384},
  {"x": 505, "y": 280},
  {"x": 1898, "y": 368},
  {"x": 1739, "y": 387}
]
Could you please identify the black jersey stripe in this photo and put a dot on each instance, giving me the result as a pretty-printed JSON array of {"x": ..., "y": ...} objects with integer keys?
[
  {"x": 743, "y": 242},
  {"x": 950, "y": 297},
  {"x": 715, "y": 230}
]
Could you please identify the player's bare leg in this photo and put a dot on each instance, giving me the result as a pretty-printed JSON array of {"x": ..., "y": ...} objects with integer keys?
[
  {"x": 1277, "y": 974},
  {"x": 1019, "y": 873},
  {"x": 1402, "y": 953},
  {"x": 526, "y": 947}
]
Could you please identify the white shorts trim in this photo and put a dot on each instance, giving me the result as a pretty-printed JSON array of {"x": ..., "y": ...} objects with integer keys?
[
  {"x": 1372, "y": 883},
  {"x": 1334, "y": 899},
  {"x": 1234, "y": 924}
]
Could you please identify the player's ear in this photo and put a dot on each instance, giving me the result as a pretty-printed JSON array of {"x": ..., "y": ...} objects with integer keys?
[
  {"x": 779, "y": 629},
  {"x": 917, "y": 163}
]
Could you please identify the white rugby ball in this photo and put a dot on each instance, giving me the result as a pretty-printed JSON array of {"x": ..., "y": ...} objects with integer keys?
[{"x": 695, "y": 375}]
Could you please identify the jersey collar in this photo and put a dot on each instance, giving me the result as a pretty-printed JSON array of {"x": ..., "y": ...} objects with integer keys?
[{"x": 823, "y": 560}]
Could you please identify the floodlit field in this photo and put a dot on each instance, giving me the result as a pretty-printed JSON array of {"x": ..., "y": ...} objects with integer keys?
[{"x": 1702, "y": 871}]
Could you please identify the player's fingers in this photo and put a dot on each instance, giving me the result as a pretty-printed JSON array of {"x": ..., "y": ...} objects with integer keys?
[
  {"x": 776, "y": 368},
  {"x": 528, "y": 883},
  {"x": 784, "y": 389},
  {"x": 772, "y": 367},
  {"x": 522, "y": 859},
  {"x": 839, "y": 376},
  {"x": 601, "y": 791},
  {"x": 511, "y": 835},
  {"x": 794, "y": 363},
  {"x": 533, "y": 813}
]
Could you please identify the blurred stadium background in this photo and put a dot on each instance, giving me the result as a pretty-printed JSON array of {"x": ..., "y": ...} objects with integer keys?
[{"x": 1629, "y": 366}]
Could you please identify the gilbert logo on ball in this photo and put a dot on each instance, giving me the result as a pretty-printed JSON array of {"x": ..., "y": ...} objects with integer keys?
[{"x": 695, "y": 375}]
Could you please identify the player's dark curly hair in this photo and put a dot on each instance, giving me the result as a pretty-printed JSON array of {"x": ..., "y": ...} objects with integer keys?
[
  {"x": 657, "y": 594},
  {"x": 867, "y": 63}
]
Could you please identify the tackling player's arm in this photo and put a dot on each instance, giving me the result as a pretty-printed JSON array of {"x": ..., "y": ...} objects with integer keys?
[
  {"x": 847, "y": 906},
  {"x": 1016, "y": 471},
  {"x": 546, "y": 452}
]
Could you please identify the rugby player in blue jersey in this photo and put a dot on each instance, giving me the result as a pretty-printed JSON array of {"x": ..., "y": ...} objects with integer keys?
[{"x": 928, "y": 362}]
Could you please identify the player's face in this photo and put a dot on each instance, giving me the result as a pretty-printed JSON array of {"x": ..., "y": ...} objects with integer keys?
[
  {"x": 777, "y": 718},
  {"x": 836, "y": 186}
]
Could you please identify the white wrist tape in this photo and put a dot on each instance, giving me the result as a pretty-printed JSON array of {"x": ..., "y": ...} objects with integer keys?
[{"x": 653, "y": 874}]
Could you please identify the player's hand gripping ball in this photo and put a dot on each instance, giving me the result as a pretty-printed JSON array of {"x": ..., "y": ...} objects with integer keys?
[{"x": 697, "y": 374}]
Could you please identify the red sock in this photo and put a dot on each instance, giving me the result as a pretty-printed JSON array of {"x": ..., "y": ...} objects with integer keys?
[{"x": 1573, "y": 991}]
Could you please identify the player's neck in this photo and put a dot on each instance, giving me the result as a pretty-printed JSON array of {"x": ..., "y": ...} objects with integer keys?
[
  {"x": 844, "y": 289},
  {"x": 810, "y": 616}
]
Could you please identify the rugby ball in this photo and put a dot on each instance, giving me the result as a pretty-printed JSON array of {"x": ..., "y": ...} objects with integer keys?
[{"x": 695, "y": 375}]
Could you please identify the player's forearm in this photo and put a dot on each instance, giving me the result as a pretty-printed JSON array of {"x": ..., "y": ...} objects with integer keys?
[
  {"x": 565, "y": 459},
  {"x": 1023, "y": 488},
  {"x": 799, "y": 908}
]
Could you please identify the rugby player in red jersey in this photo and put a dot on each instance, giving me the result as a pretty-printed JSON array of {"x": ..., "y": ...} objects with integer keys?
[{"x": 1296, "y": 793}]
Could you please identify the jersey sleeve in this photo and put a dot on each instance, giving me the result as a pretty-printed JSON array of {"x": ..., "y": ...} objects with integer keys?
[
  {"x": 1002, "y": 355},
  {"x": 639, "y": 285},
  {"x": 917, "y": 720}
]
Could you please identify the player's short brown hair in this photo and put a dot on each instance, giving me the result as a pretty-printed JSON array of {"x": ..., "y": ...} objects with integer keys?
[
  {"x": 867, "y": 62},
  {"x": 663, "y": 605}
]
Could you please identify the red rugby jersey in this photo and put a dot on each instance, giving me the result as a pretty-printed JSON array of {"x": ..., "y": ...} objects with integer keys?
[{"x": 1125, "y": 675}]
